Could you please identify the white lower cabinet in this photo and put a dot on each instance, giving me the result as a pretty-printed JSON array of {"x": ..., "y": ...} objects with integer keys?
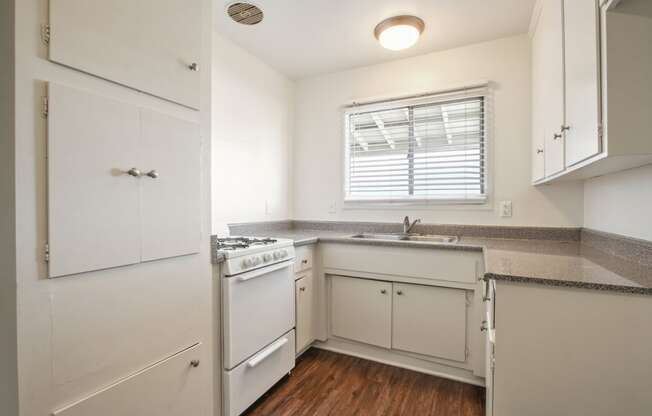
[
  {"x": 429, "y": 320},
  {"x": 361, "y": 310},
  {"x": 172, "y": 387},
  {"x": 304, "y": 295}
]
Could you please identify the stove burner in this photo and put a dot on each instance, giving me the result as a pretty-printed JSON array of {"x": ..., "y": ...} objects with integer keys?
[{"x": 234, "y": 243}]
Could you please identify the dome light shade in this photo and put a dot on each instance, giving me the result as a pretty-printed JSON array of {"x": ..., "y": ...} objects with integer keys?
[{"x": 399, "y": 32}]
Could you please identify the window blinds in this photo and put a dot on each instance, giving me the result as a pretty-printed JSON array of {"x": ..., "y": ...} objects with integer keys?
[{"x": 426, "y": 149}]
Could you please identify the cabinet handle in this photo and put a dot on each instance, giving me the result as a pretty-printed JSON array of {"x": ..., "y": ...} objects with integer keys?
[
  {"x": 194, "y": 67},
  {"x": 556, "y": 136},
  {"x": 565, "y": 128},
  {"x": 539, "y": 151},
  {"x": 302, "y": 289},
  {"x": 194, "y": 363},
  {"x": 383, "y": 291},
  {"x": 152, "y": 174},
  {"x": 399, "y": 292},
  {"x": 304, "y": 261},
  {"x": 135, "y": 172},
  {"x": 484, "y": 326}
]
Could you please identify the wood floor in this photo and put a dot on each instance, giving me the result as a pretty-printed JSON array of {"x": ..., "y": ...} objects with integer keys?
[{"x": 326, "y": 383}]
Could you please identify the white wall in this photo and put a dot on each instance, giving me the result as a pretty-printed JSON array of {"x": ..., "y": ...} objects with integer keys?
[
  {"x": 8, "y": 354},
  {"x": 80, "y": 333},
  {"x": 620, "y": 203},
  {"x": 506, "y": 62},
  {"x": 252, "y": 138}
]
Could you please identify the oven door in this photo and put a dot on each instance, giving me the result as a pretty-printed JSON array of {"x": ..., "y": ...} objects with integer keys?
[{"x": 257, "y": 307}]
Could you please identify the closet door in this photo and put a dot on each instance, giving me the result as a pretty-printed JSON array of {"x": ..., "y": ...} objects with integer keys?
[
  {"x": 170, "y": 159},
  {"x": 93, "y": 203},
  {"x": 148, "y": 45}
]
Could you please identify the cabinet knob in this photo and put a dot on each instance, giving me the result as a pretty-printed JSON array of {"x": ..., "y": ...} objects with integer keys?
[
  {"x": 304, "y": 261},
  {"x": 399, "y": 292},
  {"x": 539, "y": 151},
  {"x": 194, "y": 67},
  {"x": 484, "y": 326},
  {"x": 383, "y": 291},
  {"x": 134, "y": 172},
  {"x": 152, "y": 174},
  {"x": 303, "y": 289},
  {"x": 556, "y": 136},
  {"x": 565, "y": 128},
  {"x": 194, "y": 363}
]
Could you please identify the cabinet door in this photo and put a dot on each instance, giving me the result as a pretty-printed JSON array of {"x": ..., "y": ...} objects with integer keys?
[
  {"x": 548, "y": 89},
  {"x": 361, "y": 310},
  {"x": 581, "y": 45},
  {"x": 304, "y": 300},
  {"x": 171, "y": 200},
  {"x": 538, "y": 126},
  {"x": 148, "y": 45},
  {"x": 173, "y": 387},
  {"x": 429, "y": 320},
  {"x": 93, "y": 204}
]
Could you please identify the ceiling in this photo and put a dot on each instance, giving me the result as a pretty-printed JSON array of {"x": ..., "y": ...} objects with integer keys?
[{"x": 302, "y": 38}]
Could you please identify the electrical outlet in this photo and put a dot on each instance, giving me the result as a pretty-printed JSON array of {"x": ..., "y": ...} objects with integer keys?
[
  {"x": 505, "y": 209},
  {"x": 332, "y": 208}
]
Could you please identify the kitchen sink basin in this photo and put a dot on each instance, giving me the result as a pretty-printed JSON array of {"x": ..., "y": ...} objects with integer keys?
[{"x": 428, "y": 238}]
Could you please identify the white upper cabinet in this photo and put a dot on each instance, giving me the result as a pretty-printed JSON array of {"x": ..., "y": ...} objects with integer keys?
[
  {"x": 581, "y": 47},
  {"x": 149, "y": 45},
  {"x": 591, "y": 63},
  {"x": 103, "y": 209}
]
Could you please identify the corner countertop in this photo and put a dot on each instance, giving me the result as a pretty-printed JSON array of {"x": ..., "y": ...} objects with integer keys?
[{"x": 541, "y": 262}]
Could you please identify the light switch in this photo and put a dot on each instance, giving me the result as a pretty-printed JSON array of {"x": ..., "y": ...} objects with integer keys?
[{"x": 505, "y": 209}]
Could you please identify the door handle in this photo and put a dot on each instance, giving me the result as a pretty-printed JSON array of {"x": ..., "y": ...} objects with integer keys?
[
  {"x": 556, "y": 136},
  {"x": 260, "y": 357},
  {"x": 152, "y": 174},
  {"x": 135, "y": 172}
]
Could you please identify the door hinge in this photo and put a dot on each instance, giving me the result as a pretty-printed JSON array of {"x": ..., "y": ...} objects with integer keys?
[
  {"x": 600, "y": 131},
  {"x": 45, "y": 34},
  {"x": 46, "y": 250},
  {"x": 45, "y": 107},
  {"x": 492, "y": 362},
  {"x": 467, "y": 352}
]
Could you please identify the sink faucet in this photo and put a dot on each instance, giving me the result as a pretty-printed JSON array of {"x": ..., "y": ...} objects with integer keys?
[{"x": 407, "y": 227}]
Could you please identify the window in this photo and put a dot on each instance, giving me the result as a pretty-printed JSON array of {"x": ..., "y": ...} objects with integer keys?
[{"x": 427, "y": 149}]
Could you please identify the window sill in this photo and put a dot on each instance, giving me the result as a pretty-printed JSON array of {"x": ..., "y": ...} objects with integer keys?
[{"x": 448, "y": 204}]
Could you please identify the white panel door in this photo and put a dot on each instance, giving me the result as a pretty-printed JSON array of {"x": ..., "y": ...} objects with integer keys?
[
  {"x": 581, "y": 45},
  {"x": 170, "y": 153},
  {"x": 304, "y": 295},
  {"x": 550, "y": 28},
  {"x": 173, "y": 387},
  {"x": 361, "y": 310},
  {"x": 93, "y": 204},
  {"x": 429, "y": 320},
  {"x": 144, "y": 44}
]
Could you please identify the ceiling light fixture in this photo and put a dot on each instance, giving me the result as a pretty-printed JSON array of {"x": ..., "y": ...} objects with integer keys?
[{"x": 399, "y": 32}]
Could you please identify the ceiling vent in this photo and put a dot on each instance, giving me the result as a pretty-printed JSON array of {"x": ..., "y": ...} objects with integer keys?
[{"x": 245, "y": 13}]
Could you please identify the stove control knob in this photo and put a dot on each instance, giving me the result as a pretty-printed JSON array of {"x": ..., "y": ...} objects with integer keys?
[
  {"x": 256, "y": 260},
  {"x": 267, "y": 257},
  {"x": 277, "y": 255},
  {"x": 284, "y": 253},
  {"x": 246, "y": 263}
]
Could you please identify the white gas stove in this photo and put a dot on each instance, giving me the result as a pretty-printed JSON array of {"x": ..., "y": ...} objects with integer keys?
[{"x": 248, "y": 253}]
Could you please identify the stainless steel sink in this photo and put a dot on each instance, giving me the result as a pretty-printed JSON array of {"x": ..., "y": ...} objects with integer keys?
[{"x": 428, "y": 238}]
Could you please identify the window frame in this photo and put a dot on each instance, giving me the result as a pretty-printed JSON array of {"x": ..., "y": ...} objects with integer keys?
[{"x": 474, "y": 91}]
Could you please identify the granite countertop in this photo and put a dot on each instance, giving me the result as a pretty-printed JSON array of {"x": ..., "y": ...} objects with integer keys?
[{"x": 542, "y": 262}]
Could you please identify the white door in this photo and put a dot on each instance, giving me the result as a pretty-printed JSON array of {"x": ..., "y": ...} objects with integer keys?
[
  {"x": 258, "y": 306},
  {"x": 581, "y": 45},
  {"x": 429, "y": 320},
  {"x": 361, "y": 310},
  {"x": 172, "y": 387},
  {"x": 170, "y": 161},
  {"x": 551, "y": 83},
  {"x": 304, "y": 299},
  {"x": 148, "y": 45},
  {"x": 93, "y": 204}
]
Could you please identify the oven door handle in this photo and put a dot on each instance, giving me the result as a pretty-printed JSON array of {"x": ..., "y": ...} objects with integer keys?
[
  {"x": 263, "y": 271},
  {"x": 261, "y": 356}
]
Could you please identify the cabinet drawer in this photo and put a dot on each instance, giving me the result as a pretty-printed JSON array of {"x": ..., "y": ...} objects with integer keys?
[
  {"x": 304, "y": 258},
  {"x": 247, "y": 382},
  {"x": 172, "y": 387}
]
